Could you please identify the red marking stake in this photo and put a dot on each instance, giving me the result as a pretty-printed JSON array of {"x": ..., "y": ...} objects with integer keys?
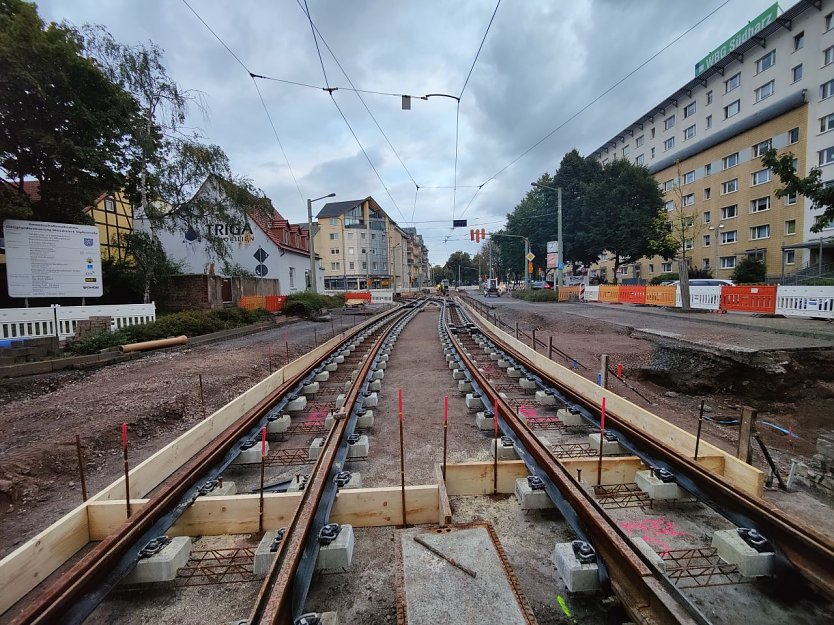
[{"x": 619, "y": 369}]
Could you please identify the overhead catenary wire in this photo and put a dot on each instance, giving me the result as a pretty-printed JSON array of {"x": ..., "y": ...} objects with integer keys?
[{"x": 596, "y": 99}]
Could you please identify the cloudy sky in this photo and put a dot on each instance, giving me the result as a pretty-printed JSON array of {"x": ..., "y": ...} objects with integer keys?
[{"x": 542, "y": 61}]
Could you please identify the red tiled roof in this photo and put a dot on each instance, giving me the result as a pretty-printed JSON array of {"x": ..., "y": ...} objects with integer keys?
[
  {"x": 32, "y": 188},
  {"x": 275, "y": 227}
]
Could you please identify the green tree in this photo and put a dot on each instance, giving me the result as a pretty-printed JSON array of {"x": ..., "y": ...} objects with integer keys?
[
  {"x": 62, "y": 121},
  {"x": 750, "y": 271},
  {"x": 151, "y": 263},
  {"x": 624, "y": 215},
  {"x": 811, "y": 186},
  {"x": 574, "y": 175}
]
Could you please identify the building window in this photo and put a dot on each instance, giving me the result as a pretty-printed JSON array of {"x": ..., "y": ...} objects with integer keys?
[
  {"x": 760, "y": 204},
  {"x": 708, "y": 169},
  {"x": 767, "y": 61},
  {"x": 292, "y": 277},
  {"x": 827, "y": 156},
  {"x": 668, "y": 144},
  {"x": 363, "y": 235},
  {"x": 760, "y": 232},
  {"x": 334, "y": 236},
  {"x": 729, "y": 237},
  {"x": 705, "y": 263},
  {"x": 334, "y": 221},
  {"x": 728, "y": 262},
  {"x": 670, "y": 205},
  {"x": 652, "y": 133},
  {"x": 760, "y": 177},
  {"x": 790, "y": 226},
  {"x": 732, "y": 83},
  {"x": 709, "y": 97},
  {"x": 729, "y": 161},
  {"x": 688, "y": 244},
  {"x": 351, "y": 265},
  {"x": 689, "y": 177},
  {"x": 728, "y": 212},
  {"x": 666, "y": 267},
  {"x": 668, "y": 185},
  {"x": 790, "y": 257},
  {"x": 827, "y": 123},
  {"x": 731, "y": 186},
  {"x": 765, "y": 91},
  {"x": 335, "y": 266},
  {"x": 707, "y": 217},
  {"x": 732, "y": 109},
  {"x": 652, "y": 152},
  {"x": 688, "y": 200},
  {"x": 799, "y": 41},
  {"x": 706, "y": 240},
  {"x": 364, "y": 265},
  {"x": 828, "y": 56},
  {"x": 796, "y": 73},
  {"x": 651, "y": 267},
  {"x": 790, "y": 199},
  {"x": 639, "y": 141},
  {"x": 760, "y": 148},
  {"x": 709, "y": 122},
  {"x": 364, "y": 250},
  {"x": 373, "y": 266},
  {"x": 110, "y": 204},
  {"x": 689, "y": 132},
  {"x": 829, "y": 21},
  {"x": 639, "y": 159},
  {"x": 826, "y": 90},
  {"x": 793, "y": 135},
  {"x": 707, "y": 193},
  {"x": 689, "y": 110},
  {"x": 669, "y": 122},
  {"x": 373, "y": 235}
]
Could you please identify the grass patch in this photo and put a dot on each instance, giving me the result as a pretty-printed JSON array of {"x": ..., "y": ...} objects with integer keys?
[{"x": 537, "y": 295}]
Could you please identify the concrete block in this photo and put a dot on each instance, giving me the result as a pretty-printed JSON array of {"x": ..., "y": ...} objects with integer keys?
[
  {"x": 650, "y": 553},
  {"x": 384, "y": 357},
  {"x": 531, "y": 499},
  {"x": 732, "y": 549},
  {"x": 458, "y": 374},
  {"x": 163, "y": 566},
  {"x": 322, "y": 376},
  {"x": 298, "y": 483},
  {"x": 578, "y": 577},
  {"x": 251, "y": 455},
  {"x": 371, "y": 400},
  {"x": 297, "y": 404},
  {"x": 465, "y": 386},
  {"x": 332, "y": 366},
  {"x": 280, "y": 425},
  {"x": 496, "y": 356},
  {"x": 379, "y": 374},
  {"x": 340, "y": 401},
  {"x": 825, "y": 446},
  {"x": 512, "y": 372},
  {"x": 450, "y": 356},
  {"x": 347, "y": 386},
  {"x": 263, "y": 556},
  {"x": 228, "y": 487},
  {"x": 504, "y": 452},
  {"x": 609, "y": 448},
  {"x": 338, "y": 554},
  {"x": 310, "y": 389},
  {"x": 365, "y": 421},
  {"x": 568, "y": 418},
  {"x": 657, "y": 489},
  {"x": 340, "y": 358},
  {"x": 454, "y": 365},
  {"x": 315, "y": 448},
  {"x": 381, "y": 366},
  {"x": 359, "y": 449},
  {"x": 526, "y": 384},
  {"x": 473, "y": 402},
  {"x": 484, "y": 422},
  {"x": 544, "y": 399},
  {"x": 354, "y": 482},
  {"x": 375, "y": 385},
  {"x": 504, "y": 364}
]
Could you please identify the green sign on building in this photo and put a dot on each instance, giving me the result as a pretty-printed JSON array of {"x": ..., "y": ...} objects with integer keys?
[{"x": 753, "y": 27}]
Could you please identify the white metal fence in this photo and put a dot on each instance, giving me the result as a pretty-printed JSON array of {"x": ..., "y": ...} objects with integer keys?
[
  {"x": 62, "y": 321},
  {"x": 805, "y": 301},
  {"x": 592, "y": 293}
]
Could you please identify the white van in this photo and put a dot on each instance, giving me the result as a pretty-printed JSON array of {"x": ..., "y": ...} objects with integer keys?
[{"x": 705, "y": 282}]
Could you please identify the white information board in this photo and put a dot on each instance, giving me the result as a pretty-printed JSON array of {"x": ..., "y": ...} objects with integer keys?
[{"x": 45, "y": 259}]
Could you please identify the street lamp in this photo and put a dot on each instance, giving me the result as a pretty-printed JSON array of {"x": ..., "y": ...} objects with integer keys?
[
  {"x": 313, "y": 286},
  {"x": 526, "y": 251},
  {"x": 717, "y": 234},
  {"x": 559, "y": 258},
  {"x": 394, "y": 260}
]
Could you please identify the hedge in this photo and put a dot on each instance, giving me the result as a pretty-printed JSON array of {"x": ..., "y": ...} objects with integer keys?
[{"x": 537, "y": 295}]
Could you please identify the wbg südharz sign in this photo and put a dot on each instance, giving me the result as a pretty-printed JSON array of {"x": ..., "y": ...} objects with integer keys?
[{"x": 752, "y": 29}]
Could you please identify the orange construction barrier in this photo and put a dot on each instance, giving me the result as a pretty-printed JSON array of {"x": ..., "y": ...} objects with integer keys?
[
  {"x": 760, "y": 298},
  {"x": 632, "y": 294},
  {"x": 565, "y": 292},
  {"x": 252, "y": 302},
  {"x": 356, "y": 298},
  {"x": 609, "y": 293},
  {"x": 661, "y": 295},
  {"x": 275, "y": 303}
]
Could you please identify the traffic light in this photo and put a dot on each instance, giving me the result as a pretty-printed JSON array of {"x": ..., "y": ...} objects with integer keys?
[
  {"x": 483, "y": 233},
  {"x": 477, "y": 236},
  {"x": 472, "y": 234}
]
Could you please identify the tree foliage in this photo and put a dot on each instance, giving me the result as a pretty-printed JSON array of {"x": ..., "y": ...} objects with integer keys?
[
  {"x": 811, "y": 186},
  {"x": 750, "y": 271},
  {"x": 62, "y": 121}
]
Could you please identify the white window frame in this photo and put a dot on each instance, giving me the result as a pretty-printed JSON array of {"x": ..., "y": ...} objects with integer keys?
[
  {"x": 669, "y": 144},
  {"x": 790, "y": 221},
  {"x": 725, "y": 210},
  {"x": 732, "y": 83},
  {"x": 709, "y": 97},
  {"x": 725, "y": 237},
  {"x": 707, "y": 240},
  {"x": 765, "y": 91},
  {"x": 754, "y": 232},
  {"x": 760, "y": 148},
  {"x": 726, "y": 185},
  {"x": 790, "y": 199},
  {"x": 334, "y": 236},
  {"x": 828, "y": 56},
  {"x": 790, "y": 254},
  {"x": 669, "y": 122},
  {"x": 706, "y": 216},
  {"x": 666, "y": 267},
  {"x": 689, "y": 177},
  {"x": 639, "y": 141},
  {"x": 754, "y": 205},
  {"x": 669, "y": 206},
  {"x": 796, "y": 73},
  {"x": 688, "y": 199},
  {"x": 791, "y": 132},
  {"x": 766, "y": 172},
  {"x": 736, "y": 106},
  {"x": 826, "y": 90},
  {"x": 639, "y": 159},
  {"x": 827, "y": 123},
  {"x": 689, "y": 109},
  {"x": 689, "y": 132},
  {"x": 728, "y": 262},
  {"x": 729, "y": 161},
  {"x": 765, "y": 62},
  {"x": 826, "y": 156}
]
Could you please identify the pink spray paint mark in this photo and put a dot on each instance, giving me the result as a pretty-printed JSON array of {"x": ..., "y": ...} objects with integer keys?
[
  {"x": 317, "y": 415},
  {"x": 527, "y": 411},
  {"x": 654, "y": 531}
]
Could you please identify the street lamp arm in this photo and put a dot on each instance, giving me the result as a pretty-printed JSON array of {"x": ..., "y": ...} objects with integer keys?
[
  {"x": 439, "y": 95},
  {"x": 324, "y": 196}
]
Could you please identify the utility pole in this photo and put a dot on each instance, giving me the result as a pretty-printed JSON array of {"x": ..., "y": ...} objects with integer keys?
[
  {"x": 560, "y": 260},
  {"x": 313, "y": 286}
]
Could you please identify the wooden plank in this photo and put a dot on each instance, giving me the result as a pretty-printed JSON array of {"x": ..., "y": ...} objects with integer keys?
[
  {"x": 475, "y": 478},
  {"x": 743, "y": 476},
  {"x": 238, "y": 514},
  {"x": 444, "y": 509},
  {"x": 28, "y": 565}
]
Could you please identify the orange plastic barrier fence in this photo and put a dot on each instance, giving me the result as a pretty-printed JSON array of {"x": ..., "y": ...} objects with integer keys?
[
  {"x": 565, "y": 292},
  {"x": 661, "y": 295},
  {"x": 609, "y": 293},
  {"x": 755, "y": 299},
  {"x": 252, "y": 302},
  {"x": 358, "y": 295},
  {"x": 275, "y": 303},
  {"x": 630, "y": 294}
]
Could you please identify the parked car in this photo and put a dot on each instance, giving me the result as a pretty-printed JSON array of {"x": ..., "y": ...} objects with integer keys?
[
  {"x": 540, "y": 284},
  {"x": 705, "y": 282}
]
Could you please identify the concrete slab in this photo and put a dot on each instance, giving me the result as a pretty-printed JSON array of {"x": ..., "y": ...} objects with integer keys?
[
  {"x": 332, "y": 366},
  {"x": 512, "y": 372},
  {"x": 568, "y": 418},
  {"x": 650, "y": 553},
  {"x": 458, "y": 374},
  {"x": 322, "y": 376},
  {"x": 359, "y": 449},
  {"x": 279, "y": 425},
  {"x": 298, "y": 483},
  {"x": 656, "y": 488},
  {"x": 227, "y": 487},
  {"x": 733, "y": 549},
  {"x": 375, "y": 385},
  {"x": 340, "y": 400},
  {"x": 474, "y": 402},
  {"x": 609, "y": 448},
  {"x": 484, "y": 422},
  {"x": 379, "y": 374},
  {"x": 263, "y": 555},
  {"x": 163, "y": 566},
  {"x": 526, "y": 384},
  {"x": 454, "y": 364},
  {"x": 251, "y": 455},
  {"x": 531, "y": 499},
  {"x": 310, "y": 389},
  {"x": 315, "y": 448},
  {"x": 297, "y": 404},
  {"x": 338, "y": 554},
  {"x": 578, "y": 577},
  {"x": 505, "y": 452},
  {"x": 434, "y": 589},
  {"x": 371, "y": 401},
  {"x": 544, "y": 399},
  {"x": 464, "y": 386},
  {"x": 382, "y": 365}
]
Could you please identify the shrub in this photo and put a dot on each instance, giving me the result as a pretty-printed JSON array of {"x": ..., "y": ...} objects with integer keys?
[
  {"x": 307, "y": 304},
  {"x": 750, "y": 271},
  {"x": 537, "y": 295},
  {"x": 663, "y": 277}
]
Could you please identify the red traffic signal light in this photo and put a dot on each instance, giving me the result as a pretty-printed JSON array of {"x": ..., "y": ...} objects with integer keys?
[
  {"x": 483, "y": 233},
  {"x": 472, "y": 235}
]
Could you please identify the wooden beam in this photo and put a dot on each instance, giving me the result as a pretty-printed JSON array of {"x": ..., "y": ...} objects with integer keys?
[
  {"x": 745, "y": 434},
  {"x": 444, "y": 509},
  {"x": 743, "y": 476},
  {"x": 475, "y": 478}
]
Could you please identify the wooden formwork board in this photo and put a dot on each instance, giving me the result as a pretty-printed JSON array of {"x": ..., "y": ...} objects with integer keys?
[{"x": 743, "y": 476}]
